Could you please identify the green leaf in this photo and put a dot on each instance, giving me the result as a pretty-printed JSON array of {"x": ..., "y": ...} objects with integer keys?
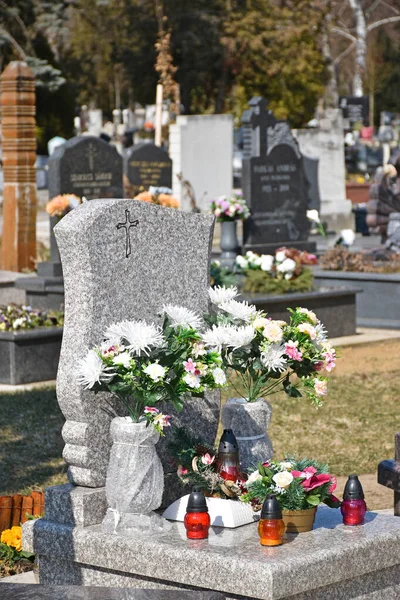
[{"x": 313, "y": 500}]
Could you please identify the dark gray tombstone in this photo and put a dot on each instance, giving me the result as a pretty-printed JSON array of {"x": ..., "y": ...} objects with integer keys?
[
  {"x": 389, "y": 474},
  {"x": 147, "y": 165},
  {"x": 86, "y": 166},
  {"x": 274, "y": 183},
  {"x": 311, "y": 172}
]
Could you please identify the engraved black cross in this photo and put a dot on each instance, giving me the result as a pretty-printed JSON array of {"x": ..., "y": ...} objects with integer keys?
[{"x": 127, "y": 226}]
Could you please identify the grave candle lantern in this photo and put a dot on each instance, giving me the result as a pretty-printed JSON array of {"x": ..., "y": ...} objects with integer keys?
[
  {"x": 228, "y": 465},
  {"x": 353, "y": 507},
  {"x": 271, "y": 526},
  {"x": 197, "y": 520}
]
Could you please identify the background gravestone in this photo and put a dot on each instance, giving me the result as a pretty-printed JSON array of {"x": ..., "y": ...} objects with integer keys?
[
  {"x": 147, "y": 165},
  {"x": 86, "y": 166},
  {"x": 124, "y": 259},
  {"x": 274, "y": 183}
]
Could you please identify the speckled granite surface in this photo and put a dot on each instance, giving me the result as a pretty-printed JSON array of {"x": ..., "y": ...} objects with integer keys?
[
  {"x": 39, "y": 592},
  {"x": 331, "y": 556}
]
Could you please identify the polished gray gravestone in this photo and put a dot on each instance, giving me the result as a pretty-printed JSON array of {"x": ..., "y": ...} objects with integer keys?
[
  {"x": 274, "y": 183},
  {"x": 122, "y": 259},
  {"x": 147, "y": 165},
  {"x": 86, "y": 166}
]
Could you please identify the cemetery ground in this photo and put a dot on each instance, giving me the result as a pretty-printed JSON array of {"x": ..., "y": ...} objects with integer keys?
[{"x": 353, "y": 431}]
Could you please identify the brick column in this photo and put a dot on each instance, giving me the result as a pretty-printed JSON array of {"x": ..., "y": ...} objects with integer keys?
[{"x": 18, "y": 249}]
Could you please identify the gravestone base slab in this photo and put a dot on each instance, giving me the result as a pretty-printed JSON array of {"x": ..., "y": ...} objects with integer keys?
[
  {"x": 310, "y": 247},
  {"x": 332, "y": 562},
  {"x": 46, "y": 293}
]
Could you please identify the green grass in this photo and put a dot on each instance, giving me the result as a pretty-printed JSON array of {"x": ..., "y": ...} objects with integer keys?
[
  {"x": 30, "y": 441},
  {"x": 352, "y": 432}
]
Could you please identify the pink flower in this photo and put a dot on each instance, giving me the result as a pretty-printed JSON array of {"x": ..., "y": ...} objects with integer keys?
[
  {"x": 190, "y": 366},
  {"x": 321, "y": 387},
  {"x": 181, "y": 471},
  {"x": 162, "y": 420},
  {"x": 207, "y": 459},
  {"x": 319, "y": 366},
  {"x": 225, "y": 205},
  {"x": 330, "y": 360},
  {"x": 151, "y": 410},
  {"x": 310, "y": 479},
  {"x": 292, "y": 352},
  {"x": 266, "y": 463}
]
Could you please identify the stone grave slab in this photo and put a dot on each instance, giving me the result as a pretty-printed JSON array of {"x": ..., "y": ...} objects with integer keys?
[
  {"x": 147, "y": 165},
  {"x": 274, "y": 183},
  {"x": 86, "y": 166},
  {"x": 122, "y": 259},
  {"x": 332, "y": 562}
]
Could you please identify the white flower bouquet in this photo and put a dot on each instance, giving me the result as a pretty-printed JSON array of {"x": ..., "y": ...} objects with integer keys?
[
  {"x": 143, "y": 364},
  {"x": 266, "y": 355}
]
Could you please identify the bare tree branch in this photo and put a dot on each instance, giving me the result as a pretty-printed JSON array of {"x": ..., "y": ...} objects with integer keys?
[
  {"x": 379, "y": 3},
  {"x": 345, "y": 53},
  {"x": 13, "y": 42},
  {"x": 343, "y": 33},
  {"x": 382, "y": 22}
]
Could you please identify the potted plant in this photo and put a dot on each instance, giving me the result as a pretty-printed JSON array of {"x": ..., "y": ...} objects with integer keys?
[
  {"x": 263, "y": 356},
  {"x": 228, "y": 211},
  {"x": 142, "y": 365},
  {"x": 30, "y": 343},
  {"x": 281, "y": 273},
  {"x": 299, "y": 485}
]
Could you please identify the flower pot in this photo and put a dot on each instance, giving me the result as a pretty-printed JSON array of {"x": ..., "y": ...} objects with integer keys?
[
  {"x": 299, "y": 521},
  {"x": 249, "y": 421},
  {"x": 229, "y": 243},
  {"x": 135, "y": 479}
]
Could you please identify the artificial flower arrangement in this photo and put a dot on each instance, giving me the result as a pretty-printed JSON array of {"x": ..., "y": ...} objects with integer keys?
[
  {"x": 297, "y": 484},
  {"x": 197, "y": 465},
  {"x": 143, "y": 364},
  {"x": 60, "y": 205},
  {"x": 159, "y": 195},
  {"x": 281, "y": 273},
  {"x": 13, "y": 318},
  {"x": 230, "y": 209},
  {"x": 263, "y": 356},
  {"x": 12, "y": 558}
]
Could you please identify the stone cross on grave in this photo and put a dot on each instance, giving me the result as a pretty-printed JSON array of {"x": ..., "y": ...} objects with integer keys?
[
  {"x": 389, "y": 474},
  {"x": 91, "y": 156},
  {"x": 128, "y": 226}
]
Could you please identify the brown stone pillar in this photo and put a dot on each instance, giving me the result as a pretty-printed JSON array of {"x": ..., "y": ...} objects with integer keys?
[{"x": 18, "y": 249}]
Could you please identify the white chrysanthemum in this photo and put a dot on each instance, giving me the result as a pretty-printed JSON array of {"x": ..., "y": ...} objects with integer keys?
[
  {"x": 192, "y": 380},
  {"x": 287, "y": 266},
  {"x": 273, "y": 358},
  {"x": 242, "y": 262},
  {"x": 228, "y": 336},
  {"x": 308, "y": 330},
  {"x": 180, "y": 316},
  {"x": 92, "y": 370},
  {"x": 141, "y": 336},
  {"x": 220, "y": 294},
  {"x": 322, "y": 333},
  {"x": 239, "y": 310},
  {"x": 267, "y": 262}
]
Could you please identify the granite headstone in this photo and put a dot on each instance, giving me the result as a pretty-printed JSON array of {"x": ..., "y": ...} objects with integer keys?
[
  {"x": 124, "y": 259},
  {"x": 86, "y": 166},
  {"x": 147, "y": 165},
  {"x": 274, "y": 183}
]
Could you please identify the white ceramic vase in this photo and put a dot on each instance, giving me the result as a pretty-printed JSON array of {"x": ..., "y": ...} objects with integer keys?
[
  {"x": 135, "y": 479},
  {"x": 249, "y": 422}
]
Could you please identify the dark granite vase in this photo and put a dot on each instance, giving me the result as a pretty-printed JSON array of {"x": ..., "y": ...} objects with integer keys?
[{"x": 229, "y": 243}]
